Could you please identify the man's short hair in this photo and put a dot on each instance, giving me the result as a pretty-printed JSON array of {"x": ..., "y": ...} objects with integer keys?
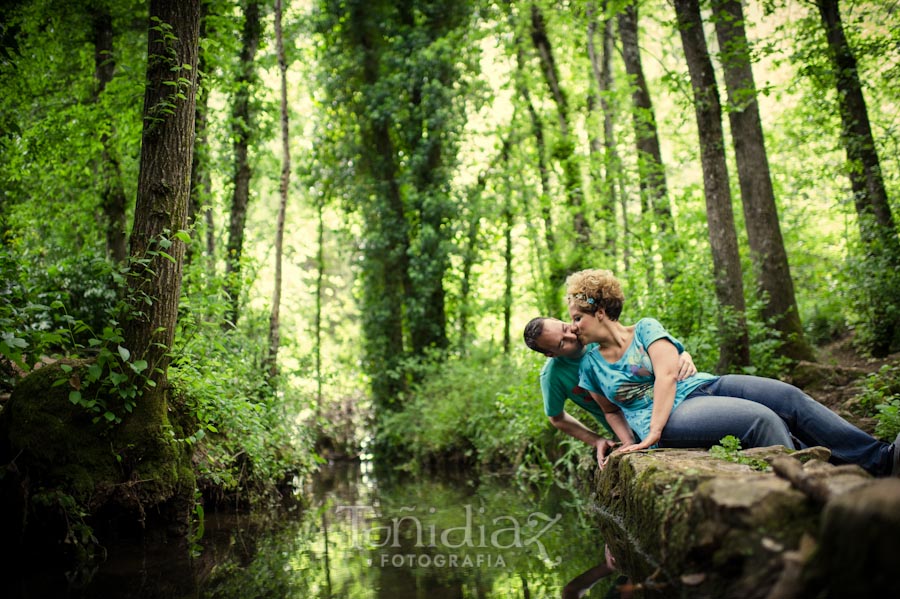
[{"x": 533, "y": 330}]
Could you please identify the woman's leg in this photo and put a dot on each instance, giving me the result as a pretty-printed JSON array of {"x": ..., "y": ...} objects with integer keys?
[
  {"x": 809, "y": 421},
  {"x": 702, "y": 421}
]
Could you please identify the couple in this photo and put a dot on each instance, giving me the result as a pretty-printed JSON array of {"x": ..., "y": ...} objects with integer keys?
[{"x": 639, "y": 384}]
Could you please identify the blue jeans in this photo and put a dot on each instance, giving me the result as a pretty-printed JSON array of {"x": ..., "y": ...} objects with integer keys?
[{"x": 762, "y": 412}]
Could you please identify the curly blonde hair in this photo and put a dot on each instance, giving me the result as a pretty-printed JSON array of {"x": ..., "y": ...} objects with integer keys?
[{"x": 591, "y": 289}]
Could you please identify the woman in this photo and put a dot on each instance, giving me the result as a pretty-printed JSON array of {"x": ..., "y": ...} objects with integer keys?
[{"x": 635, "y": 367}]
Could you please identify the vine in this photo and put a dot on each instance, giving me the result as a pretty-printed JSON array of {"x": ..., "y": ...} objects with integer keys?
[{"x": 168, "y": 60}]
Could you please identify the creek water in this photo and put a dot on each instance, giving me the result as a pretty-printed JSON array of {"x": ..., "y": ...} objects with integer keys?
[{"x": 364, "y": 536}]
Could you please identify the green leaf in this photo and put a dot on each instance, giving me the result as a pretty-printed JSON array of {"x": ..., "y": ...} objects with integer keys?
[
  {"x": 109, "y": 416},
  {"x": 124, "y": 353},
  {"x": 75, "y": 397},
  {"x": 139, "y": 366},
  {"x": 94, "y": 372}
]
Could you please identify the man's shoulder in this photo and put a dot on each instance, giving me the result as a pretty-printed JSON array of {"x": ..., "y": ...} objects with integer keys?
[{"x": 564, "y": 364}]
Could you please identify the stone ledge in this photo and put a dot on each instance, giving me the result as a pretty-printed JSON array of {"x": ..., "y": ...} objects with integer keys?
[{"x": 685, "y": 523}]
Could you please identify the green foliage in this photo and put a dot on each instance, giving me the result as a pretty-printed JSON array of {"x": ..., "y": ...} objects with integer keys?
[
  {"x": 246, "y": 446},
  {"x": 167, "y": 59},
  {"x": 52, "y": 307},
  {"x": 873, "y": 281},
  {"x": 79, "y": 536},
  {"x": 729, "y": 449},
  {"x": 881, "y": 392},
  {"x": 483, "y": 409},
  {"x": 54, "y": 120},
  {"x": 395, "y": 77},
  {"x": 827, "y": 321}
]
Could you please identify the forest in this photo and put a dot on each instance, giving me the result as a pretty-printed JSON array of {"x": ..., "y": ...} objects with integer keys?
[{"x": 240, "y": 239}]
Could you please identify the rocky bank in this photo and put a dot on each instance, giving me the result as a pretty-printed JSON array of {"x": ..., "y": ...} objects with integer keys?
[{"x": 771, "y": 524}]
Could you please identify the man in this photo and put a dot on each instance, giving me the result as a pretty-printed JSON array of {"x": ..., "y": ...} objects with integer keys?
[{"x": 559, "y": 380}]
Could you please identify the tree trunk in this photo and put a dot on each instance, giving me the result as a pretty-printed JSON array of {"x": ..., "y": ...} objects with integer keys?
[
  {"x": 564, "y": 150},
  {"x": 386, "y": 249},
  {"x": 651, "y": 171},
  {"x": 201, "y": 181},
  {"x": 242, "y": 127},
  {"x": 320, "y": 293},
  {"x": 469, "y": 257},
  {"x": 605, "y": 184},
  {"x": 758, "y": 198},
  {"x": 162, "y": 199},
  {"x": 113, "y": 193},
  {"x": 274, "y": 319},
  {"x": 876, "y": 221},
  {"x": 508, "y": 223},
  {"x": 734, "y": 343},
  {"x": 549, "y": 294}
]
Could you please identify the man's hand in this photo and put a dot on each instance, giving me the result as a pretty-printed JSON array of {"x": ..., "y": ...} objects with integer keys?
[
  {"x": 604, "y": 446},
  {"x": 686, "y": 366}
]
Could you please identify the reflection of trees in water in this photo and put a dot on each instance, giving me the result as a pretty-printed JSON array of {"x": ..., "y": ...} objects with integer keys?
[{"x": 312, "y": 552}]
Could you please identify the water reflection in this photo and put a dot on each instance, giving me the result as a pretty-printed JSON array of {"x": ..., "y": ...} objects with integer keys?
[
  {"x": 579, "y": 586},
  {"x": 369, "y": 536}
]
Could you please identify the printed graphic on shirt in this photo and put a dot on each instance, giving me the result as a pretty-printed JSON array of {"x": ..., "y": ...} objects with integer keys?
[
  {"x": 639, "y": 363},
  {"x": 628, "y": 393}
]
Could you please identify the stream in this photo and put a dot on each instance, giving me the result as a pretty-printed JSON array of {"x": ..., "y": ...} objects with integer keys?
[{"x": 428, "y": 537}]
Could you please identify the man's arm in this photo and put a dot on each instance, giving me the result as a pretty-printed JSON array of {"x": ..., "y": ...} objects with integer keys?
[{"x": 574, "y": 428}]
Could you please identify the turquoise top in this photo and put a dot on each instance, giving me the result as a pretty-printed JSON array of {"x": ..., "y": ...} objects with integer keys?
[
  {"x": 559, "y": 382},
  {"x": 628, "y": 382}
]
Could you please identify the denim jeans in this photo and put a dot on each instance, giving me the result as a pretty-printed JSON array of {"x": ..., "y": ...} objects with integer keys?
[{"x": 761, "y": 412}]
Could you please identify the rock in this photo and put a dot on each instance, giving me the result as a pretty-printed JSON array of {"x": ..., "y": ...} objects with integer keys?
[
  {"x": 858, "y": 541},
  {"x": 813, "y": 375},
  {"x": 684, "y": 523}
]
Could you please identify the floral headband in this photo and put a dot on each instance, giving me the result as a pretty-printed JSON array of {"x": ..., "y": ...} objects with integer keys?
[{"x": 582, "y": 297}]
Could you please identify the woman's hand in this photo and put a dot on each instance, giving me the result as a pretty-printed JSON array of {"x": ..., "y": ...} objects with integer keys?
[{"x": 651, "y": 440}]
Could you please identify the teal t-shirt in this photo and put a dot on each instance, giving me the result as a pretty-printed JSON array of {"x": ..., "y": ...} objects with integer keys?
[
  {"x": 628, "y": 382},
  {"x": 559, "y": 382}
]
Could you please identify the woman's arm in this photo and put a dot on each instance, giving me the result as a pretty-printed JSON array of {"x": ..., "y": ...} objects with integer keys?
[{"x": 664, "y": 357}]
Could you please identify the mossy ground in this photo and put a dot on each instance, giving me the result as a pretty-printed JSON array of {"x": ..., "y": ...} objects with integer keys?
[{"x": 68, "y": 477}]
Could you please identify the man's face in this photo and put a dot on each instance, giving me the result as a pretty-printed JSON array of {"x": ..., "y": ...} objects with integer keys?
[{"x": 559, "y": 339}]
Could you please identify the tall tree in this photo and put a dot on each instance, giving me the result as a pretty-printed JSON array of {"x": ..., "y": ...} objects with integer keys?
[
  {"x": 201, "y": 179},
  {"x": 606, "y": 184},
  {"x": 651, "y": 170},
  {"x": 757, "y": 195},
  {"x": 113, "y": 192},
  {"x": 407, "y": 129},
  {"x": 284, "y": 186},
  {"x": 563, "y": 150},
  {"x": 548, "y": 294},
  {"x": 242, "y": 117},
  {"x": 473, "y": 216},
  {"x": 734, "y": 341},
  {"x": 876, "y": 221},
  {"x": 157, "y": 244}
]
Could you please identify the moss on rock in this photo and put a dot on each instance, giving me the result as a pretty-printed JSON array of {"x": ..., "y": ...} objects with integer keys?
[
  {"x": 65, "y": 471},
  {"x": 682, "y": 523}
]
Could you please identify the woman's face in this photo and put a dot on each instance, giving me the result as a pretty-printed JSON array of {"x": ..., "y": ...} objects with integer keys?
[{"x": 585, "y": 324}]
